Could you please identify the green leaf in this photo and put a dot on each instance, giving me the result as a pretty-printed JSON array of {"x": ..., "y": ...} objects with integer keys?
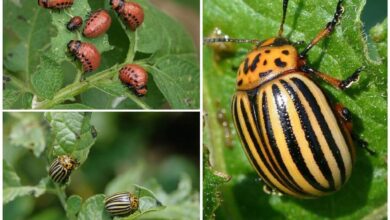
[
  {"x": 211, "y": 195},
  {"x": 28, "y": 133},
  {"x": 72, "y": 132},
  {"x": 73, "y": 206},
  {"x": 93, "y": 208},
  {"x": 177, "y": 76},
  {"x": 183, "y": 203},
  {"x": 24, "y": 19},
  {"x": 339, "y": 55},
  {"x": 12, "y": 187},
  {"x": 16, "y": 99},
  {"x": 48, "y": 78}
]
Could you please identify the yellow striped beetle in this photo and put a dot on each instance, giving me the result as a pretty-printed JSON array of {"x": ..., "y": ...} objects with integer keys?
[
  {"x": 121, "y": 204},
  {"x": 61, "y": 168},
  {"x": 298, "y": 143}
]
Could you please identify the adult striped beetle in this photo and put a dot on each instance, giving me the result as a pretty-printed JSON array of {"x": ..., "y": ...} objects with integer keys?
[{"x": 296, "y": 140}]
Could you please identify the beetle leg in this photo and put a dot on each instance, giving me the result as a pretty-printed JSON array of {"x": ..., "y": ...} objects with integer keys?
[
  {"x": 340, "y": 84},
  {"x": 345, "y": 115},
  {"x": 327, "y": 30}
]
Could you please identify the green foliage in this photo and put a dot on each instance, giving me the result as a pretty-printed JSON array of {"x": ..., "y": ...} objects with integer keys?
[
  {"x": 49, "y": 77},
  {"x": 73, "y": 206},
  {"x": 339, "y": 55},
  {"x": 29, "y": 134},
  {"x": 211, "y": 188},
  {"x": 72, "y": 134},
  {"x": 37, "y": 62},
  {"x": 12, "y": 187}
]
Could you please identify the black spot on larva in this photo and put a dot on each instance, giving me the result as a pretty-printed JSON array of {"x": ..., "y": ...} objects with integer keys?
[
  {"x": 246, "y": 67},
  {"x": 255, "y": 62},
  {"x": 265, "y": 62},
  {"x": 239, "y": 83},
  {"x": 267, "y": 51},
  {"x": 285, "y": 52},
  {"x": 280, "y": 63},
  {"x": 264, "y": 74}
]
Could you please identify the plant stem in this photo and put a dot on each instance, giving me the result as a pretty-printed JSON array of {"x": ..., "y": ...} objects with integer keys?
[
  {"x": 61, "y": 195},
  {"x": 78, "y": 87}
]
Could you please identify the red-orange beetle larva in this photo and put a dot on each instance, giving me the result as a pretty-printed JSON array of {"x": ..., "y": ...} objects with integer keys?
[
  {"x": 97, "y": 24},
  {"x": 135, "y": 77},
  {"x": 132, "y": 13},
  {"x": 87, "y": 53}
]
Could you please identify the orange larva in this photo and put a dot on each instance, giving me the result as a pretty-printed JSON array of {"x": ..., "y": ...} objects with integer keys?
[
  {"x": 132, "y": 13},
  {"x": 87, "y": 53},
  {"x": 55, "y": 4},
  {"x": 97, "y": 24},
  {"x": 135, "y": 77}
]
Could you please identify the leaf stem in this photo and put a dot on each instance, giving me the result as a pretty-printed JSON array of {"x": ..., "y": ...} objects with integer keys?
[
  {"x": 78, "y": 87},
  {"x": 61, "y": 195}
]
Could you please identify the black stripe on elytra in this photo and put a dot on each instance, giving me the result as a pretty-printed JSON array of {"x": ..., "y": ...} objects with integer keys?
[
  {"x": 291, "y": 185},
  {"x": 310, "y": 135},
  {"x": 259, "y": 152},
  {"x": 255, "y": 62},
  {"x": 279, "y": 62},
  {"x": 244, "y": 142},
  {"x": 274, "y": 147},
  {"x": 323, "y": 125},
  {"x": 246, "y": 66},
  {"x": 291, "y": 140}
]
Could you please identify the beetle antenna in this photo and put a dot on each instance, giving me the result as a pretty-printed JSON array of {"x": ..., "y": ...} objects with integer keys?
[
  {"x": 227, "y": 39},
  {"x": 285, "y": 3}
]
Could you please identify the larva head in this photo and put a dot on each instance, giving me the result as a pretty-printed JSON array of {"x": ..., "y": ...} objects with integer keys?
[
  {"x": 116, "y": 4},
  {"x": 272, "y": 57},
  {"x": 74, "y": 45},
  {"x": 42, "y": 3}
]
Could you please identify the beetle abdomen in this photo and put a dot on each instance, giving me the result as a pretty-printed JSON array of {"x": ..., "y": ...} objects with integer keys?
[{"x": 292, "y": 137}]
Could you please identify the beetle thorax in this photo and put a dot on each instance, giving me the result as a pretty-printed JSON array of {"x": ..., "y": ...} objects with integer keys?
[{"x": 271, "y": 58}]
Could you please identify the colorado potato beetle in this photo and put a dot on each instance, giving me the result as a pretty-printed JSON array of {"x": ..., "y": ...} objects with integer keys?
[
  {"x": 97, "y": 24},
  {"x": 298, "y": 143},
  {"x": 132, "y": 13},
  {"x": 74, "y": 23},
  {"x": 121, "y": 204},
  {"x": 61, "y": 168},
  {"x": 87, "y": 53},
  {"x": 135, "y": 77},
  {"x": 55, "y": 4}
]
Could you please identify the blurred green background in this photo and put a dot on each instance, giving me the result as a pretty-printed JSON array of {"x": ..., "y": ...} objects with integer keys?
[
  {"x": 165, "y": 145},
  {"x": 373, "y": 13}
]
